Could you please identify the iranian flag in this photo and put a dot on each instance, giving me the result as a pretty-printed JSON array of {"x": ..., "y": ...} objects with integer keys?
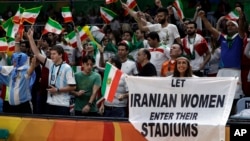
[
  {"x": 3, "y": 44},
  {"x": 179, "y": 8},
  {"x": 10, "y": 28},
  {"x": 233, "y": 15},
  {"x": 30, "y": 15},
  {"x": 110, "y": 82},
  {"x": 18, "y": 15},
  {"x": 66, "y": 14},
  {"x": 131, "y": 5},
  {"x": 110, "y": 1},
  {"x": 52, "y": 26},
  {"x": 107, "y": 15},
  {"x": 11, "y": 44},
  {"x": 83, "y": 35},
  {"x": 71, "y": 39}
]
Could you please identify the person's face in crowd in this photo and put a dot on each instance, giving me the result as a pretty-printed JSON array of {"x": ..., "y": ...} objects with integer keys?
[
  {"x": 175, "y": 50},
  {"x": 105, "y": 41},
  {"x": 23, "y": 48},
  {"x": 122, "y": 52},
  {"x": 231, "y": 28},
  {"x": 127, "y": 37},
  {"x": 161, "y": 17},
  {"x": 88, "y": 66},
  {"x": 152, "y": 43},
  {"x": 182, "y": 65},
  {"x": 138, "y": 34},
  {"x": 191, "y": 29},
  {"x": 45, "y": 44},
  {"x": 90, "y": 49},
  {"x": 141, "y": 56},
  {"x": 55, "y": 57},
  {"x": 50, "y": 36}
]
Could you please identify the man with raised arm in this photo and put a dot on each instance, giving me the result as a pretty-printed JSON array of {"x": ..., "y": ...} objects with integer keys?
[
  {"x": 231, "y": 48},
  {"x": 61, "y": 78}
]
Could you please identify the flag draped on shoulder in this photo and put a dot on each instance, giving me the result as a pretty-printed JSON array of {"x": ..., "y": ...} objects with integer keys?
[
  {"x": 30, "y": 15},
  {"x": 52, "y": 26},
  {"x": 110, "y": 1},
  {"x": 107, "y": 15},
  {"x": 233, "y": 15},
  {"x": 179, "y": 8},
  {"x": 17, "y": 17},
  {"x": 66, "y": 14},
  {"x": 131, "y": 5},
  {"x": 3, "y": 44},
  {"x": 110, "y": 82}
]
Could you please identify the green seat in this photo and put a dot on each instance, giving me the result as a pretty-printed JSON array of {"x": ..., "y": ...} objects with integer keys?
[{"x": 4, "y": 134}]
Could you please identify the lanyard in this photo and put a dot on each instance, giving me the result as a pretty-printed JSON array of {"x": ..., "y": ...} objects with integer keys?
[{"x": 57, "y": 73}]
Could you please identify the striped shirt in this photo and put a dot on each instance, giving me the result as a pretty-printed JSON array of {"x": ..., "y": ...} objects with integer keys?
[{"x": 59, "y": 76}]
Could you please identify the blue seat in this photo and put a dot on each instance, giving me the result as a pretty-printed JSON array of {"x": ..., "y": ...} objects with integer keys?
[
  {"x": 4, "y": 134},
  {"x": 243, "y": 103}
]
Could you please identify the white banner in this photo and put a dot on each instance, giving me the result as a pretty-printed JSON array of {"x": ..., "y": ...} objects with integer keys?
[{"x": 183, "y": 109}]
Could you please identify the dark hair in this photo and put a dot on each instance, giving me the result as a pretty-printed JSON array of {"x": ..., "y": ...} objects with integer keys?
[
  {"x": 146, "y": 51},
  {"x": 164, "y": 10},
  {"x": 194, "y": 23},
  {"x": 153, "y": 35},
  {"x": 188, "y": 72},
  {"x": 123, "y": 44},
  {"x": 86, "y": 58},
  {"x": 58, "y": 49},
  {"x": 117, "y": 62},
  {"x": 129, "y": 32},
  {"x": 47, "y": 40}
]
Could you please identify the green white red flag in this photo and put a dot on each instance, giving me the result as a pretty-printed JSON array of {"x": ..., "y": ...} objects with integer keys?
[
  {"x": 233, "y": 15},
  {"x": 179, "y": 8},
  {"x": 18, "y": 16},
  {"x": 71, "y": 39},
  {"x": 3, "y": 44},
  {"x": 131, "y": 5},
  {"x": 107, "y": 15},
  {"x": 110, "y": 82},
  {"x": 11, "y": 44},
  {"x": 110, "y": 1},
  {"x": 83, "y": 35},
  {"x": 30, "y": 15},
  {"x": 10, "y": 28},
  {"x": 52, "y": 26},
  {"x": 66, "y": 14}
]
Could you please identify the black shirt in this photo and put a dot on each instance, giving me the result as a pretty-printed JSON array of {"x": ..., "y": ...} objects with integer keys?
[{"x": 148, "y": 70}]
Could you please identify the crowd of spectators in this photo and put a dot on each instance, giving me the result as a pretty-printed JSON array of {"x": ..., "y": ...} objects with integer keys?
[{"x": 153, "y": 43}]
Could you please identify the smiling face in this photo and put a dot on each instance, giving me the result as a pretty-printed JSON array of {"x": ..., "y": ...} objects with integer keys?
[{"x": 182, "y": 66}]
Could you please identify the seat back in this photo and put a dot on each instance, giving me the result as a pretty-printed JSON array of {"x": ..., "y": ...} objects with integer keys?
[{"x": 243, "y": 103}]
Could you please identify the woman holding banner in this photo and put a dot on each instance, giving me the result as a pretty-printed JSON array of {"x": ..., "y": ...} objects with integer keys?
[{"x": 182, "y": 68}]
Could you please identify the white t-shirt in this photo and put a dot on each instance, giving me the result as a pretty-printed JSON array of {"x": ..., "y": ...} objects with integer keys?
[
  {"x": 71, "y": 52},
  {"x": 158, "y": 57},
  {"x": 129, "y": 67},
  {"x": 167, "y": 34}
]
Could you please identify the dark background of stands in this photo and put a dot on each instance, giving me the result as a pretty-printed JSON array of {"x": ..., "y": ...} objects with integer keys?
[{"x": 86, "y": 5}]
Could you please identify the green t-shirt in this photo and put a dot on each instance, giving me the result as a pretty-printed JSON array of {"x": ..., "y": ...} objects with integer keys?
[{"x": 86, "y": 83}]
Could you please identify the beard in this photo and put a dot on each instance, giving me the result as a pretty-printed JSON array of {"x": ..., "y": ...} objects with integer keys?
[
  {"x": 191, "y": 33},
  {"x": 162, "y": 21}
]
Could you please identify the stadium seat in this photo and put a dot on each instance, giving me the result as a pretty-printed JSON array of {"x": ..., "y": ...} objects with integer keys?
[{"x": 243, "y": 103}]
